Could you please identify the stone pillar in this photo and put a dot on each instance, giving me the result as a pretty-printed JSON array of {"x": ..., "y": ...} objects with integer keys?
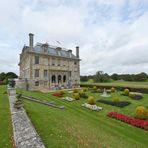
[{"x": 11, "y": 91}]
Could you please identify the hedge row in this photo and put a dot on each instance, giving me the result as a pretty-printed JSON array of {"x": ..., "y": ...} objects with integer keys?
[{"x": 118, "y": 88}]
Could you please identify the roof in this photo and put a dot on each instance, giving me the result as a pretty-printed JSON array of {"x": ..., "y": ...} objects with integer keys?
[{"x": 54, "y": 51}]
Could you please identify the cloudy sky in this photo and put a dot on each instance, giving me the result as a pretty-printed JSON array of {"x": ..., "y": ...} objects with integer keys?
[{"x": 112, "y": 34}]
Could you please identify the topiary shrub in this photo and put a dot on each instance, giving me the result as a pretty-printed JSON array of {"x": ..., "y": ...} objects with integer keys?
[
  {"x": 141, "y": 112},
  {"x": 126, "y": 91},
  {"x": 115, "y": 99},
  {"x": 94, "y": 87},
  {"x": 61, "y": 92},
  {"x": 99, "y": 90},
  {"x": 75, "y": 91},
  {"x": 113, "y": 89},
  {"x": 84, "y": 89},
  {"x": 76, "y": 96},
  {"x": 81, "y": 93},
  {"x": 91, "y": 100}
]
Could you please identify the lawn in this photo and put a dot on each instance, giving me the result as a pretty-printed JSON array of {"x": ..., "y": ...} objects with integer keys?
[
  {"x": 76, "y": 126},
  {"x": 120, "y": 83},
  {"x": 5, "y": 120}
]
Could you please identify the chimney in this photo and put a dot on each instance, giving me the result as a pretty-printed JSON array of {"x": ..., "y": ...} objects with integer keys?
[
  {"x": 31, "y": 40},
  {"x": 77, "y": 51}
]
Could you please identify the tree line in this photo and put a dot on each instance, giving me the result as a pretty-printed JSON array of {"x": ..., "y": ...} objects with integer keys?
[
  {"x": 100, "y": 76},
  {"x": 5, "y": 76}
]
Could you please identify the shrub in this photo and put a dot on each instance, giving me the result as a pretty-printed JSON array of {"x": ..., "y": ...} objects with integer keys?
[
  {"x": 99, "y": 90},
  {"x": 91, "y": 100},
  {"x": 84, "y": 89},
  {"x": 81, "y": 93},
  {"x": 94, "y": 87},
  {"x": 75, "y": 91},
  {"x": 141, "y": 112},
  {"x": 126, "y": 91},
  {"x": 113, "y": 89},
  {"x": 76, "y": 96},
  {"x": 61, "y": 92},
  {"x": 115, "y": 99}
]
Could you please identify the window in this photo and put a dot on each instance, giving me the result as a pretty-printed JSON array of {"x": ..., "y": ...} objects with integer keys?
[
  {"x": 59, "y": 62},
  {"x": 53, "y": 61},
  {"x": 64, "y": 62},
  {"x": 45, "y": 61},
  {"x": 59, "y": 78},
  {"x": 75, "y": 63},
  {"x": 64, "y": 78},
  {"x": 45, "y": 83},
  {"x": 37, "y": 83},
  {"x": 36, "y": 73},
  {"x": 36, "y": 59},
  {"x": 53, "y": 79},
  {"x": 45, "y": 73}
]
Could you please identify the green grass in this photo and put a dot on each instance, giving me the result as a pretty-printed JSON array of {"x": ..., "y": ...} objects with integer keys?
[
  {"x": 76, "y": 126},
  {"x": 5, "y": 120},
  {"x": 119, "y": 83}
]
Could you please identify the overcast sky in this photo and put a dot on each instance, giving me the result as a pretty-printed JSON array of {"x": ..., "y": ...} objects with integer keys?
[{"x": 112, "y": 34}]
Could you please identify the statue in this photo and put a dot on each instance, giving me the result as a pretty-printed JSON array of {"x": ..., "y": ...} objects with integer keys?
[{"x": 11, "y": 83}]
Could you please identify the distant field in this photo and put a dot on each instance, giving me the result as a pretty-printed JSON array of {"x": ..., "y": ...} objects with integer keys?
[
  {"x": 5, "y": 120},
  {"x": 120, "y": 83}
]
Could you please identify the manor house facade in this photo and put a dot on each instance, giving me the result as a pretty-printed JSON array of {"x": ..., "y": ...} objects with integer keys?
[{"x": 49, "y": 67}]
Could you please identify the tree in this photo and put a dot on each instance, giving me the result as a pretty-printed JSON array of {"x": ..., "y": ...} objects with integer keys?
[
  {"x": 114, "y": 76},
  {"x": 141, "y": 77},
  {"x": 101, "y": 77},
  {"x": 84, "y": 78},
  {"x": 2, "y": 76},
  {"x": 98, "y": 77}
]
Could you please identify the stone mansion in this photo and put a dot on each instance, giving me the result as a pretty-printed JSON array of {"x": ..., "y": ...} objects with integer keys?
[{"x": 46, "y": 67}]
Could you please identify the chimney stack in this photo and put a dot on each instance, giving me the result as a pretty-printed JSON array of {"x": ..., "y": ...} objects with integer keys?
[
  {"x": 31, "y": 40},
  {"x": 77, "y": 51}
]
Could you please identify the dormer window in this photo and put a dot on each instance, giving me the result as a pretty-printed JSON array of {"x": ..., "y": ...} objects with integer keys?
[{"x": 45, "y": 47}]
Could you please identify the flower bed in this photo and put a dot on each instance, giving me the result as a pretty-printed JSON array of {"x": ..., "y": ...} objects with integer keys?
[
  {"x": 130, "y": 120},
  {"x": 135, "y": 95},
  {"x": 69, "y": 99},
  {"x": 92, "y": 107},
  {"x": 57, "y": 94},
  {"x": 118, "y": 104}
]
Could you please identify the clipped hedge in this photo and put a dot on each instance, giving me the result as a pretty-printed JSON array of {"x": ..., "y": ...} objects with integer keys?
[
  {"x": 118, "y": 88},
  {"x": 115, "y": 103}
]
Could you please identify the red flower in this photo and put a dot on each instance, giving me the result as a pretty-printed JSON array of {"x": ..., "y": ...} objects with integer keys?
[{"x": 130, "y": 120}]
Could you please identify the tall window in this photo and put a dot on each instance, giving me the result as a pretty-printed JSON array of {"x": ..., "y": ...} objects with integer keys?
[
  {"x": 45, "y": 73},
  {"x": 36, "y": 73},
  {"x": 59, "y": 78},
  {"x": 53, "y": 79},
  {"x": 36, "y": 59},
  {"x": 58, "y": 62},
  {"x": 53, "y": 61},
  {"x": 64, "y": 78}
]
